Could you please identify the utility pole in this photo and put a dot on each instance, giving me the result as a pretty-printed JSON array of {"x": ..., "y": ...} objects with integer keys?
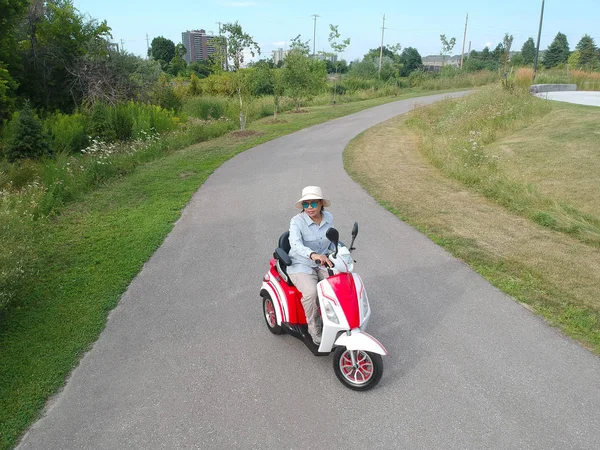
[
  {"x": 469, "y": 52},
  {"x": 219, "y": 23},
  {"x": 462, "y": 58},
  {"x": 537, "y": 50},
  {"x": 381, "y": 48},
  {"x": 314, "y": 33},
  {"x": 147, "y": 45},
  {"x": 122, "y": 46}
]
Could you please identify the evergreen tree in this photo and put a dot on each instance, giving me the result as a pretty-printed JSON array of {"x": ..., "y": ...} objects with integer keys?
[
  {"x": 26, "y": 136},
  {"x": 528, "y": 51},
  {"x": 558, "y": 52},
  {"x": 588, "y": 53}
]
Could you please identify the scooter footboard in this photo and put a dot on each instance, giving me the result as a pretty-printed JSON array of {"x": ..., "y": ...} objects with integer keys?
[{"x": 359, "y": 340}]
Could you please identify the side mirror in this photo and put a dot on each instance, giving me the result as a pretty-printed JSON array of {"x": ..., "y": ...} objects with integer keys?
[
  {"x": 355, "y": 230},
  {"x": 333, "y": 235}
]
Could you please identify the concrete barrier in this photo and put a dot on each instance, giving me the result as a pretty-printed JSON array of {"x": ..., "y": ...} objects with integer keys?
[{"x": 537, "y": 88}]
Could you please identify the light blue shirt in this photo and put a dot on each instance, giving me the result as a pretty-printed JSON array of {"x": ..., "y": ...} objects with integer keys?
[{"x": 307, "y": 237}]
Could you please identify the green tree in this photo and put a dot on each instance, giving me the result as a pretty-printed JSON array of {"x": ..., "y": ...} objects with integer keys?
[
  {"x": 26, "y": 136},
  {"x": 375, "y": 52},
  {"x": 575, "y": 60},
  {"x": 337, "y": 47},
  {"x": 162, "y": 49},
  {"x": 365, "y": 69},
  {"x": 528, "y": 51},
  {"x": 11, "y": 12},
  {"x": 410, "y": 60},
  {"x": 588, "y": 52},
  {"x": 8, "y": 87},
  {"x": 237, "y": 42},
  {"x": 558, "y": 52},
  {"x": 261, "y": 79},
  {"x": 517, "y": 60},
  {"x": 194, "y": 87},
  {"x": 242, "y": 84},
  {"x": 177, "y": 66},
  {"x": 202, "y": 68},
  {"x": 278, "y": 89},
  {"x": 303, "y": 77},
  {"x": 505, "y": 55},
  {"x": 447, "y": 46},
  {"x": 164, "y": 96},
  {"x": 53, "y": 42}
]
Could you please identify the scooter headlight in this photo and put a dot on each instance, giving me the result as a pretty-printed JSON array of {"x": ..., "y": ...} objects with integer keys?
[
  {"x": 330, "y": 313},
  {"x": 364, "y": 301}
]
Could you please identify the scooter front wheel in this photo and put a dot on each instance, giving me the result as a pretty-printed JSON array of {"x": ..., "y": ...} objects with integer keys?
[
  {"x": 271, "y": 316},
  {"x": 357, "y": 369}
]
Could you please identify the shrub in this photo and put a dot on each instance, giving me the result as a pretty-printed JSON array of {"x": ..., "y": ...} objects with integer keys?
[
  {"x": 68, "y": 132},
  {"x": 101, "y": 125},
  {"x": 164, "y": 95},
  {"x": 123, "y": 121},
  {"x": 206, "y": 107},
  {"x": 416, "y": 78},
  {"x": 26, "y": 137}
]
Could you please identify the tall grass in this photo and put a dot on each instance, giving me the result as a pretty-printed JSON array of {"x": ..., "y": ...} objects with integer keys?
[
  {"x": 458, "y": 80},
  {"x": 455, "y": 134},
  {"x": 585, "y": 81}
]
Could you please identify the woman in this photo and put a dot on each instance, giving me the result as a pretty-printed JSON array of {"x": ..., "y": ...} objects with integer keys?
[{"x": 309, "y": 244}]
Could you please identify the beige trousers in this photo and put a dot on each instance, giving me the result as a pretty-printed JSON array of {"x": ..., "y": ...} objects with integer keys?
[{"x": 307, "y": 285}]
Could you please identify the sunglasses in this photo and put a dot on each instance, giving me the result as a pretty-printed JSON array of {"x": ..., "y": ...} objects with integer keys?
[{"x": 312, "y": 204}]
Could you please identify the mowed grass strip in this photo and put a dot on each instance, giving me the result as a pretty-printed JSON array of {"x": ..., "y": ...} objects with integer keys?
[
  {"x": 556, "y": 274},
  {"x": 76, "y": 265}
]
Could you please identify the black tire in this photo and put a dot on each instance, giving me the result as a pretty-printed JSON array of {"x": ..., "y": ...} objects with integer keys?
[
  {"x": 270, "y": 316},
  {"x": 357, "y": 380}
]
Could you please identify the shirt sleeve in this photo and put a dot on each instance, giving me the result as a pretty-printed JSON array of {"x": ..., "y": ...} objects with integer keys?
[{"x": 296, "y": 240}]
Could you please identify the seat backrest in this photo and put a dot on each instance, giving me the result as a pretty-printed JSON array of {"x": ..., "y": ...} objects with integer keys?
[{"x": 284, "y": 242}]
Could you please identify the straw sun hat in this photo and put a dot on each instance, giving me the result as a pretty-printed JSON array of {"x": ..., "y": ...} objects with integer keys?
[{"x": 312, "y": 193}]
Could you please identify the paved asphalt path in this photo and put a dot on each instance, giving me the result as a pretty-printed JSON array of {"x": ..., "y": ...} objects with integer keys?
[
  {"x": 186, "y": 360},
  {"x": 589, "y": 98}
]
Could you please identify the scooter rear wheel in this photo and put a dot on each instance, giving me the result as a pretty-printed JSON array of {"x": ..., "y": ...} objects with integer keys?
[
  {"x": 361, "y": 376},
  {"x": 271, "y": 316}
]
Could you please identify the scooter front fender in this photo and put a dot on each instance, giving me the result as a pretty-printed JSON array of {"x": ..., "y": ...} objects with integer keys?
[{"x": 359, "y": 340}]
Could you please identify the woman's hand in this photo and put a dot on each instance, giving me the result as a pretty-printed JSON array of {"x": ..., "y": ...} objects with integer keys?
[{"x": 324, "y": 260}]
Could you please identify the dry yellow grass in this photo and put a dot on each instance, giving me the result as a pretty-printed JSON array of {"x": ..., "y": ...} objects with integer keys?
[
  {"x": 555, "y": 272},
  {"x": 563, "y": 161}
]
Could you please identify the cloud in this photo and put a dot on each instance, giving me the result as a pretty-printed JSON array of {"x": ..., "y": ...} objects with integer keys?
[
  {"x": 279, "y": 43},
  {"x": 239, "y": 4},
  {"x": 488, "y": 44}
]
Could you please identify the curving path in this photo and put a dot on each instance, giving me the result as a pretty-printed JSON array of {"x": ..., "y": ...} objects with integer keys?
[{"x": 186, "y": 360}]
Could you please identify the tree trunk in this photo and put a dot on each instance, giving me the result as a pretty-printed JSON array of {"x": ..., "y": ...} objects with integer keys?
[{"x": 242, "y": 118}]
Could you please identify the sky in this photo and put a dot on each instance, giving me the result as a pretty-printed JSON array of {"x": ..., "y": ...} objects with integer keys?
[{"x": 417, "y": 24}]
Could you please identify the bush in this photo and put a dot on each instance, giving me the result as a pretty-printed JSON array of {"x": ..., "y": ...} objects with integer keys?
[
  {"x": 123, "y": 122},
  {"x": 26, "y": 137},
  {"x": 164, "y": 95},
  {"x": 416, "y": 78},
  {"x": 68, "y": 132},
  {"x": 206, "y": 107},
  {"x": 101, "y": 125}
]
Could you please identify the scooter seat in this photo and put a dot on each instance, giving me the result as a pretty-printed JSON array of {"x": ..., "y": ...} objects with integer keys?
[{"x": 284, "y": 244}]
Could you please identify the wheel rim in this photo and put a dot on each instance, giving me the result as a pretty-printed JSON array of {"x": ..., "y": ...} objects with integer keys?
[
  {"x": 270, "y": 313},
  {"x": 360, "y": 373}
]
